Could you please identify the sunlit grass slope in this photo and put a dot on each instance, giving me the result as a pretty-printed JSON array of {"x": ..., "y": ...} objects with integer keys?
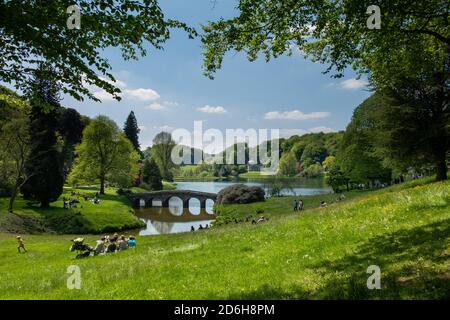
[{"x": 113, "y": 213}]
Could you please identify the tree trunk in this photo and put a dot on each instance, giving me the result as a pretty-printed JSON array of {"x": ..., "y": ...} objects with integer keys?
[
  {"x": 11, "y": 201},
  {"x": 102, "y": 185},
  {"x": 45, "y": 204},
  {"x": 441, "y": 168}
]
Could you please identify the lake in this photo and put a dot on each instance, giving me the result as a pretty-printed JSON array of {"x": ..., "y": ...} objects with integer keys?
[
  {"x": 298, "y": 186},
  {"x": 175, "y": 219}
]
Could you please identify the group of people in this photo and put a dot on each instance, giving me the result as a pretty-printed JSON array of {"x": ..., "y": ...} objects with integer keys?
[
  {"x": 207, "y": 226},
  {"x": 253, "y": 220},
  {"x": 259, "y": 220},
  {"x": 298, "y": 204},
  {"x": 69, "y": 203},
  {"x": 107, "y": 244}
]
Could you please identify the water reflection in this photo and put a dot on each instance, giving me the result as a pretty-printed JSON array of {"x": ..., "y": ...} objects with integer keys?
[
  {"x": 176, "y": 206},
  {"x": 174, "y": 219},
  {"x": 194, "y": 206}
]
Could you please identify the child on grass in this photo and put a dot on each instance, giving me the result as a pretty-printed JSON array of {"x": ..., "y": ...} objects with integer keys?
[{"x": 21, "y": 244}]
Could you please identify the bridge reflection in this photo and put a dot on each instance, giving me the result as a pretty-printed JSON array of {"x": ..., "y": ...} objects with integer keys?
[{"x": 172, "y": 220}]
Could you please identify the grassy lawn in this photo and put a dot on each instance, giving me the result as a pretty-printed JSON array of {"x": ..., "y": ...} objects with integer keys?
[
  {"x": 113, "y": 213},
  {"x": 254, "y": 175},
  {"x": 320, "y": 253}
]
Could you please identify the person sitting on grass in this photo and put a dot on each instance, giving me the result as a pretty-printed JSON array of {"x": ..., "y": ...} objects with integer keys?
[
  {"x": 131, "y": 242},
  {"x": 123, "y": 243},
  {"x": 99, "y": 246},
  {"x": 112, "y": 247},
  {"x": 21, "y": 244}
]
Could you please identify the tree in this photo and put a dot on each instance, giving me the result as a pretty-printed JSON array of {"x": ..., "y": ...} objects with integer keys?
[
  {"x": 162, "y": 153},
  {"x": 71, "y": 129},
  {"x": 151, "y": 175},
  {"x": 32, "y": 31},
  {"x": 313, "y": 153},
  {"x": 288, "y": 164},
  {"x": 336, "y": 178},
  {"x": 357, "y": 156},
  {"x": 408, "y": 58},
  {"x": 328, "y": 162},
  {"x": 416, "y": 129},
  {"x": 131, "y": 130},
  {"x": 45, "y": 166},
  {"x": 15, "y": 144},
  {"x": 104, "y": 154}
]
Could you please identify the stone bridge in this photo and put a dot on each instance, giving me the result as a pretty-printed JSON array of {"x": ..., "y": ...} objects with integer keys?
[{"x": 145, "y": 200}]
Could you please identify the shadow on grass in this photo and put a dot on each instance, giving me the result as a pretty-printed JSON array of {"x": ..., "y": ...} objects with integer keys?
[{"x": 414, "y": 263}]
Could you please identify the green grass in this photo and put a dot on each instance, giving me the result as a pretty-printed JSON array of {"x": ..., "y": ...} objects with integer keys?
[
  {"x": 321, "y": 253},
  {"x": 167, "y": 185},
  {"x": 114, "y": 213},
  {"x": 254, "y": 175}
]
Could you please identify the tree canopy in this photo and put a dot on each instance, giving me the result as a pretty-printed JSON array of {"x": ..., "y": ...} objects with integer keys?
[
  {"x": 131, "y": 130},
  {"x": 36, "y": 32},
  {"x": 105, "y": 154},
  {"x": 45, "y": 167},
  {"x": 331, "y": 32},
  {"x": 161, "y": 151}
]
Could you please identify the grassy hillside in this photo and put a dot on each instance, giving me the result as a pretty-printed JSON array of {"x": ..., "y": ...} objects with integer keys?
[
  {"x": 113, "y": 213},
  {"x": 321, "y": 253}
]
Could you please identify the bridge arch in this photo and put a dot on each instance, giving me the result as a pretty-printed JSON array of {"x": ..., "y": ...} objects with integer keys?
[
  {"x": 175, "y": 205},
  {"x": 165, "y": 197},
  {"x": 194, "y": 206},
  {"x": 210, "y": 206}
]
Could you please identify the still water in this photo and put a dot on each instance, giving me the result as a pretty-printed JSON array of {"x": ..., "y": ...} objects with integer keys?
[
  {"x": 290, "y": 186},
  {"x": 176, "y": 219}
]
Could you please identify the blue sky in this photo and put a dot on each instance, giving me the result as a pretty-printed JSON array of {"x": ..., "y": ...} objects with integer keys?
[{"x": 167, "y": 90}]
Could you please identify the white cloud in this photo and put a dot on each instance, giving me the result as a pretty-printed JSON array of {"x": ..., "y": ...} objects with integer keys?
[
  {"x": 353, "y": 84},
  {"x": 210, "y": 109},
  {"x": 118, "y": 83},
  {"x": 103, "y": 96},
  {"x": 164, "y": 128},
  {"x": 143, "y": 128},
  {"x": 162, "y": 106},
  {"x": 142, "y": 94},
  {"x": 321, "y": 129},
  {"x": 171, "y": 104},
  {"x": 155, "y": 106},
  {"x": 294, "y": 115}
]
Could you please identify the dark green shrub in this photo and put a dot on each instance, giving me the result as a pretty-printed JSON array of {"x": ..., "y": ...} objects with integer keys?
[{"x": 240, "y": 193}]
